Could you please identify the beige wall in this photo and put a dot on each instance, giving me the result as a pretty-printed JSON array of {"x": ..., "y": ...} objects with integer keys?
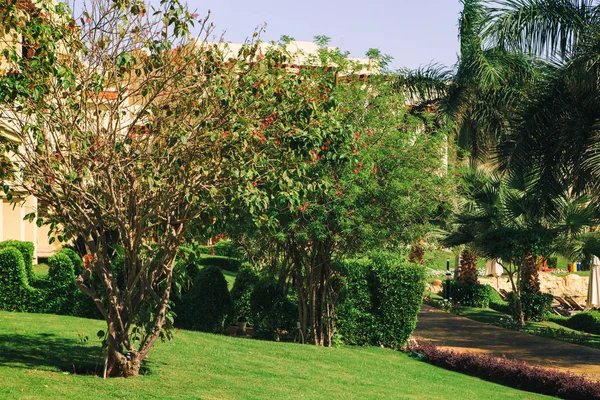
[{"x": 12, "y": 226}]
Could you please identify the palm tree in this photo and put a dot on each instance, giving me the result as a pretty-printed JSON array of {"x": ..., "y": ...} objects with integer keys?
[
  {"x": 484, "y": 88},
  {"x": 556, "y": 134},
  {"x": 498, "y": 220}
]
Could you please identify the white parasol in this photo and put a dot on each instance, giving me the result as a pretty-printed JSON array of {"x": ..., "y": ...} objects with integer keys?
[
  {"x": 493, "y": 267},
  {"x": 593, "y": 298}
]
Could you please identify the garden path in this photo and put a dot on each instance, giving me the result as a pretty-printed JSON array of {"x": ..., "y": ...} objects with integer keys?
[{"x": 458, "y": 333}]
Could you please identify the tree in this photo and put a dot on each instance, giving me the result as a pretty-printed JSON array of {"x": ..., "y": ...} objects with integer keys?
[
  {"x": 480, "y": 94},
  {"x": 378, "y": 179},
  {"x": 555, "y": 133},
  {"x": 499, "y": 221},
  {"x": 130, "y": 125}
]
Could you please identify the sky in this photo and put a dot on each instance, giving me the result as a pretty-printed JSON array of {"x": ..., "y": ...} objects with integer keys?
[{"x": 413, "y": 32}]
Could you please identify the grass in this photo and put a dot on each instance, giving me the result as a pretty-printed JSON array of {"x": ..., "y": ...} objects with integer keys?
[
  {"x": 39, "y": 353},
  {"x": 229, "y": 277},
  {"x": 40, "y": 270}
]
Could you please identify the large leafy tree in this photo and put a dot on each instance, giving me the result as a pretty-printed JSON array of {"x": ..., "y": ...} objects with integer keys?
[
  {"x": 378, "y": 179},
  {"x": 132, "y": 131}
]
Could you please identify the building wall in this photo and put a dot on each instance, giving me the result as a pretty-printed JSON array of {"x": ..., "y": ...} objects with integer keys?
[{"x": 12, "y": 226}]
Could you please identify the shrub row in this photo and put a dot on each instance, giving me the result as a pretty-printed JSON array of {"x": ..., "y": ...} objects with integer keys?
[
  {"x": 470, "y": 295},
  {"x": 26, "y": 249},
  {"x": 379, "y": 298},
  {"x": 588, "y": 321},
  {"x": 537, "y": 307},
  {"x": 56, "y": 294},
  {"x": 510, "y": 373}
]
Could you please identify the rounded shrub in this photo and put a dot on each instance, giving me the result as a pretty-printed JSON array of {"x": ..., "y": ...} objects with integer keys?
[
  {"x": 26, "y": 249},
  {"x": 206, "y": 304},
  {"x": 470, "y": 295},
  {"x": 61, "y": 284},
  {"x": 273, "y": 313},
  {"x": 245, "y": 281},
  {"x": 536, "y": 307},
  {"x": 15, "y": 292},
  {"x": 379, "y": 303},
  {"x": 75, "y": 259},
  {"x": 588, "y": 322}
]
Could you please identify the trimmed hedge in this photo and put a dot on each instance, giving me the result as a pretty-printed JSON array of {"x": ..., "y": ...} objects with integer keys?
[
  {"x": 224, "y": 248},
  {"x": 470, "y": 295},
  {"x": 588, "y": 322},
  {"x": 15, "y": 292},
  {"x": 271, "y": 311},
  {"x": 510, "y": 373},
  {"x": 206, "y": 304},
  {"x": 226, "y": 263},
  {"x": 61, "y": 284},
  {"x": 245, "y": 281},
  {"x": 536, "y": 307},
  {"x": 26, "y": 249},
  {"x": 381, "y": 298}
]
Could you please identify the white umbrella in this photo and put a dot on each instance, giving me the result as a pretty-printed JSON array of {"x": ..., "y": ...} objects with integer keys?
[
  {"x": 493, "y": 267},
  {"x": 593, "y": 298}
]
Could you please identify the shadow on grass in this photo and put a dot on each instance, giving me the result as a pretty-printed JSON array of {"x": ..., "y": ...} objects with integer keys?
[{"x": 50, "y": 352}]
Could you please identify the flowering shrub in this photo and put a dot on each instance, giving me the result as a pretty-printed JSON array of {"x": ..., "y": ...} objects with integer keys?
[{"x": 509, "y": 372}]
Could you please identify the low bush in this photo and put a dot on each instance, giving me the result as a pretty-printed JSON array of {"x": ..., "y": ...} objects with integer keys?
[
  {"x": 61, "y": 290},
  {"x": 245, "y": 281},
  {"x": 510, "y": 373},
  {"x": 226, "y": 263},
  {"x": 588, "y": 322},
  {"x": 15, "y": 292},
  {"x": 536, "y": 307},
  {"x": 470, "y": 295},
  {"x": 379, "y": 302},
  {"x": 206, "y": 304},
  {"x": 75, "y": 259},
  {"x": 26, "y": 249},
  {"x": 273, "y": 314},
  {"x": 224, "y": 248}
]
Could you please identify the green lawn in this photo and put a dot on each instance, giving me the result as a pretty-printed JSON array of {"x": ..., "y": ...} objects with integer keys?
[
  {"x": 40, "y": 270},
  {"x": 39, "y": 353},
  {"x": 229, "y": 277}
]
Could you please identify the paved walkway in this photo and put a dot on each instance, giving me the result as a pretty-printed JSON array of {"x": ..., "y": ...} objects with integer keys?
[{"x": 461, "y": 334}]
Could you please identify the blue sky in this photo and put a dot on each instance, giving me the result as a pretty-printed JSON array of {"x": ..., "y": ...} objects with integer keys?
[{"x": 414, "y": 32}]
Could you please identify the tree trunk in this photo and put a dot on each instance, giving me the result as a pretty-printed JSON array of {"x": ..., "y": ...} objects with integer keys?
[
  {"x": 530, "y": 280},
  {"x": 468, "y": 268}
]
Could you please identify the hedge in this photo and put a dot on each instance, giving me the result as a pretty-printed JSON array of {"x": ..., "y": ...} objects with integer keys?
[
  {"x": 244, "y": 284},
  {"x": 536, "y": 307},
  {"x": 510, "y": 373},
  {"x": 224, "y": 248},
  {"x": 588, "y": 322},
  {"x": 380, "y": 300},
  {"x": 470, "y": 295},
  {"x": 26, "y": 249},
  {"x": 15, "y": 292},
  {"x": 271, "y": 310},
  {"x": 226, "y": 263},
  {"x": 206, "y": 304},
  {"x": 61, "y": 284}
]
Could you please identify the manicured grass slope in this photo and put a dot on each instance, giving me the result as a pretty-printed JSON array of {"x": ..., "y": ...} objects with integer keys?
[{"x": 39, "y": 352}]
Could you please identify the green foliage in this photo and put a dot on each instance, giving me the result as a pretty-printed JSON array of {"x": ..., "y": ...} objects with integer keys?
[
  {"x": 15, "y": 292},
  {"x": 224, "y": 248},
  {"x": 246, "y": 280},
  {"x": 380, "y": 301},
  {"x": 496, "y": 303},
  {"x": 271, "y": 310},
  {"x": 61, "y": 290},
  {"x": 226, "y": 263},
  {"x": 536, "y": 307},
  {"x": 205, "y": 306},
  {"x": 26, "y": 249},
  {"x": 475, "y": 295},
  {"x": 588, "y": 322},
  {"x": 75, "y": 259}
]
